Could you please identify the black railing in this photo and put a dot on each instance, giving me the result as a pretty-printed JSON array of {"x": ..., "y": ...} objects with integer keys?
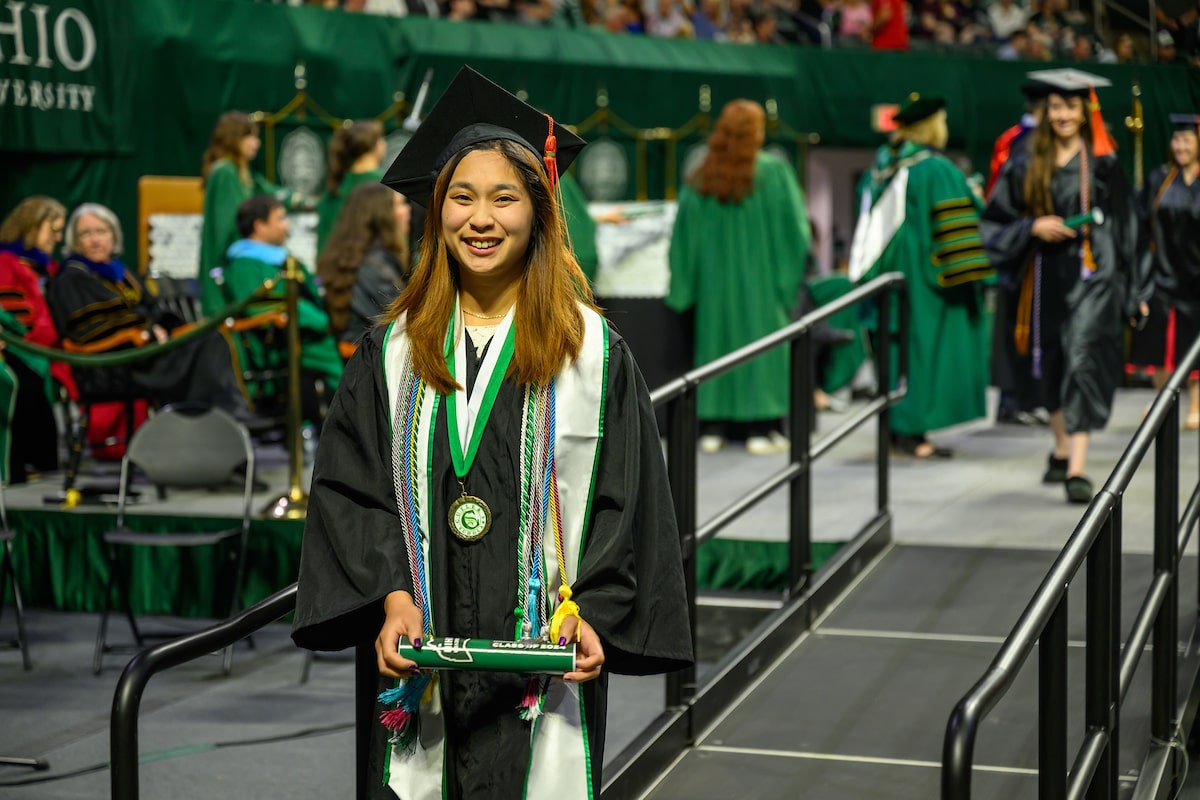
[
  {"x": 1109, "y": 663},
  {"x": 127, "y": 701},
  {"x": 688, "y": 706},
  {"x": 661, "y": 741}
]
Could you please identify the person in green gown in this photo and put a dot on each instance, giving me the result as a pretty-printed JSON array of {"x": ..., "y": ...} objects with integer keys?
[
  {"x": 920, "y": 217},
  {"x": 356, "y": 153},
  {"x": 260, "y": 254},
  {"x": 229, "y": 182},
  {"x": 738, "y": 253}
]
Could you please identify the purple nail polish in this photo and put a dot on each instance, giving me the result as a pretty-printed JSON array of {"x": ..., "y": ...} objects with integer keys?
[
  {"x": 417, "y": 643},
  {"x": 562, "y": 640}
]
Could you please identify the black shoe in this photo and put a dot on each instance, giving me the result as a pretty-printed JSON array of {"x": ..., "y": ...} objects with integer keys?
[
  {"x": 1079, "y": 490},
  {"x": 1056, "y": 470}
]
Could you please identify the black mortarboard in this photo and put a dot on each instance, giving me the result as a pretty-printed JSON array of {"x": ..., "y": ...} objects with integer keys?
[
  {"x": 1186, "y": 122},
  {"x": 1035, "y": 90},
  {"x": 470, "y": 111},
  {"x": 1066, "y": 82},
  {"x": 916, "y": 108}
]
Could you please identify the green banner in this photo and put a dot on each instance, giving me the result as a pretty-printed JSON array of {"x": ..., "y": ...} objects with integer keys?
[{"x": 65, "y": 76}]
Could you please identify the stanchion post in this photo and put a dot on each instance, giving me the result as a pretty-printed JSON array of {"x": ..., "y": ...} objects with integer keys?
[
  {"x": 682, "y": 431},
  {"x": 801, "y": 413},
  {"x": 294, "y": 503}
]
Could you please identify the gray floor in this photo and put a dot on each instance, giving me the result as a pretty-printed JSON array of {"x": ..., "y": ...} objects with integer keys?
[{"x": 981, "y": 521}]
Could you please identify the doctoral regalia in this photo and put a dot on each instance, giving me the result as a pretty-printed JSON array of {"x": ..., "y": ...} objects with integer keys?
[
  {"x": 89, "y": 306},
  {"x": 918, "y": 216},
  {"x": 1070, "y": 315},
  {"x": 620, "y": 537},
  {"x": 740, "y": 265}
]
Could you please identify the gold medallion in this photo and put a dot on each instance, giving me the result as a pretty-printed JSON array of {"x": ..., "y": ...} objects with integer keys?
[{"x": 469, "y": 518}]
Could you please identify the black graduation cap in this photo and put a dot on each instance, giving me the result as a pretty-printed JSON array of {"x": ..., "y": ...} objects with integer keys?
[
  {"x": 470, "y": 111},
  {"x": 917, "y": 108},
  {"x": 1066, "y": 82},
  {"x": 1186, "y": 122},
  {"x": 1035, "y": 90}
]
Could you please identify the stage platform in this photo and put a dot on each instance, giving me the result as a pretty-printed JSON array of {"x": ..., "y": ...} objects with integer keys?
[{"x": 855, "y": 709}]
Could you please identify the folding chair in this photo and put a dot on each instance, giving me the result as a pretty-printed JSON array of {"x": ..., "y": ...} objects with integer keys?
[
  {"x": 8, "y": 573},
  {"x": 181, "y": 448}
]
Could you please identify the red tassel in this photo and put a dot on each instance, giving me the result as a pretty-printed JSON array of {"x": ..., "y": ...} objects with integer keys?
[
  {"x": 394, "y": 720},
  {"x": 550, "y": 153},
  {"x": 1102, "y": 143}
]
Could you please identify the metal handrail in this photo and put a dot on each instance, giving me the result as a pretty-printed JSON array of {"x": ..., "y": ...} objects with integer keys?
[
  {"x": 1096, "y": 540},
  {"x": 678, "y": 399},
  {"x": 127, "y": 700}
]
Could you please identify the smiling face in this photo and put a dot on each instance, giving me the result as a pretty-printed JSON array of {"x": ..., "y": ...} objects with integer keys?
[
  {"x": 94, "y": 240},
  {"x": 1184, "y": 147},
  {"x": 1066, "y": 116},
  {"x": 487, "y": 218}
]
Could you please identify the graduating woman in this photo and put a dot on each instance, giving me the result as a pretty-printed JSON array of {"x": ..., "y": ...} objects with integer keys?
[
  {"x": 920, "y": 217},
  {"x": 229, "y": 182},
  {"x": 355, "y": 155},
  {"x": 738, "y": 255},
  {"x": 1170, "y": 205},
  {"x": 490, "y": 467},
  {"x": 1075, "y": 278}
]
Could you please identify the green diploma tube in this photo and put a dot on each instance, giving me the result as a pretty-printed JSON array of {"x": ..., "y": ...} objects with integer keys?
[
  {"x": 490, "y": 655},
  {"x": 1093, "y": 217}
]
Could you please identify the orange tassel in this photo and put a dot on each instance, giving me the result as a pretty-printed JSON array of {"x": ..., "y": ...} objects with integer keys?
[
  {"x": 1102, "y": 142},
  {"x": 550, "y": 154},
  {"x": 1089, "y": 261},
  {"x": 1024, "y": 314}
]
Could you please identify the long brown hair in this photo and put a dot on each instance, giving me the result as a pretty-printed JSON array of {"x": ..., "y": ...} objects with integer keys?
[
  {"x": 347, "y": 146},
  {"x": 727, "y": 172},
  {"x": 368, "y": 219},
  {"x": 1038, "y": 199},
  {"x": 22, "y": 223},
  {"x": 549, "y": 326},
  {"x": 226, "y": 142}
]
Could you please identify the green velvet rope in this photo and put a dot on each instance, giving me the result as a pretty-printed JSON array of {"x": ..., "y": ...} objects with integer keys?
[{"x": 135, "y": 354}]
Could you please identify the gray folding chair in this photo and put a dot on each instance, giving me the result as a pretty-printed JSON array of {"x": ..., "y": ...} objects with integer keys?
[
  {"x": 183, "y": 448},
  {"x": 8, "y": 573}
]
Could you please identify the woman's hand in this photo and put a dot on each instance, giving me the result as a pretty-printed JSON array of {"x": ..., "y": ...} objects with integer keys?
[
  {"x": 1051, "y": 229},
  {"x": 401, "y": 618},
  {"x": 589, "y": 653}
]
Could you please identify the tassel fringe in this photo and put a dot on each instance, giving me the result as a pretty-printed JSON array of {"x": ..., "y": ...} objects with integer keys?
[{"x": 404, "y": 721}]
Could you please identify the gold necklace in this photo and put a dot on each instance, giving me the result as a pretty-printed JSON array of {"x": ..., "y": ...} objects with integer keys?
[{"x": 486, "y": 316}]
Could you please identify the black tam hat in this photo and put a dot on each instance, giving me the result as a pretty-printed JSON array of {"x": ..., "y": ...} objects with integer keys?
[
  {"x": 917, "y": 108},
  {"x": 474, "y": 110}
]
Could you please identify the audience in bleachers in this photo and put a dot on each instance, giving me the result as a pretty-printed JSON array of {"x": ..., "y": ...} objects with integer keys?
[{"x": 1013, "y": 29}]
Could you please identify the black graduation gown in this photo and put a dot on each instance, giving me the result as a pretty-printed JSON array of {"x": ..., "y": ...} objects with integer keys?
[
  {"x": 629, "y": 588},
  {"x": 87, "y": 308},
  {"x": 1173, "y": 219},
  {"x": 1081, "y": 321}
]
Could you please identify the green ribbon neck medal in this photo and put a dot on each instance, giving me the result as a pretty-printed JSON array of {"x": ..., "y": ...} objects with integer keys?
[{"x": 469, "y": 516}]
